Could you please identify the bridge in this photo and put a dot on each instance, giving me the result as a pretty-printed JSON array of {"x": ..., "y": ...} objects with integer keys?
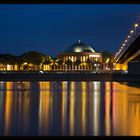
[{"x": 130, "y": 48}]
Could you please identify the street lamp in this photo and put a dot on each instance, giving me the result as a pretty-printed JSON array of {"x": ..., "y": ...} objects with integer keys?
[
  {"x": 131, "y": 32},
  {"x": 128, "y": 37},
  {"x": 135, "y": 26},
  {"x": 123, "y": 44},
  {"x": 107, "y": 61}
]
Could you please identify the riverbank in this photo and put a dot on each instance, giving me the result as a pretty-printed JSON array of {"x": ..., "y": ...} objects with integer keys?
[{"x": 68, "y": 76}]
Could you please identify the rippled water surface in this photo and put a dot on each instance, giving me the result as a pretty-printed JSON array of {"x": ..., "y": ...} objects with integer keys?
[{"x": 69, "y": 108}]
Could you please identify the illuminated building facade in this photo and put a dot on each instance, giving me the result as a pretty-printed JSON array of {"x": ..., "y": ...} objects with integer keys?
[{"x": 81, "y": 56}]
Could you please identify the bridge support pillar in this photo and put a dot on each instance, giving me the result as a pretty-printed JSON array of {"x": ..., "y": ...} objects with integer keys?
[{"x": 134, "y": 68}]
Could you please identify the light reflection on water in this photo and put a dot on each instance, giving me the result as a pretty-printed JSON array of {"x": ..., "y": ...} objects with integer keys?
[{"x": 69, "y": 108}]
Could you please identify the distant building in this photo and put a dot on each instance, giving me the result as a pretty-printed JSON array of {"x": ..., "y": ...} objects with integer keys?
[{"x": 81, "y": 56}]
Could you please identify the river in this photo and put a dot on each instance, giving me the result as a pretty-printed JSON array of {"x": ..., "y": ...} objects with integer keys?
[{"x": 69, "y": 108}]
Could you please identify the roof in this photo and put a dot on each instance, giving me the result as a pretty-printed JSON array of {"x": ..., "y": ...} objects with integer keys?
[{"x": 79, "y": 47}]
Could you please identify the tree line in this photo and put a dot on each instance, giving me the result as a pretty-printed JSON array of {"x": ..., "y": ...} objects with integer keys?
[{"x": 37, "y": 58}]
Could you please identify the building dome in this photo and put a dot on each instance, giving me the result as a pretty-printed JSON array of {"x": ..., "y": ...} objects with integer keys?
[{"x": 79, "y": 47}]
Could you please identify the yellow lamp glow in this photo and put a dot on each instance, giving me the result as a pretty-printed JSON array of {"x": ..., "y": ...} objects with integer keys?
[{"x": 136, "y": 25}]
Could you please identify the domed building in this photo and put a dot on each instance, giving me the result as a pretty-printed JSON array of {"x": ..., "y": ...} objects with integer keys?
[{"x": 81, "y": 56}]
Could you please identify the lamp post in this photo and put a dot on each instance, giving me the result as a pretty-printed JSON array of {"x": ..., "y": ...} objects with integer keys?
[
  {"x": 107, "y": 60},
  {"x": 135, "y": 26},
  {"x": 131, "y": 32},
  {"x": 125, "y": 41},
  {"x": 128, "y": 36}
]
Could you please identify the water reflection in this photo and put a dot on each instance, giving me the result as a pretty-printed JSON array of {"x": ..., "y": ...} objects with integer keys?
[
  {"x": 8, "y": 107},
  {"x": 72, "y": 106},
  {"x": 44, "y": 103},
  {"x": 125, "y": 122},
  {"x": 96, "y": 109},
  {"x": 69, "y": 108},
  {"x": 64, "y": 107},
  {"x": 14, "y": 109},
  {"x": 107, "y": 108},
  {"x": 84, "y": 109}
]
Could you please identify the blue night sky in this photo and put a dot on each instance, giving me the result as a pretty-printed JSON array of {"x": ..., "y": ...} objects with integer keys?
[{"x": 52, "y": 28}]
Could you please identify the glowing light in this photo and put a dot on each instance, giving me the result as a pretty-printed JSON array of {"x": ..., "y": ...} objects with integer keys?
[
  {"x": 129, "y": 36},
  {"x": 124, "y": 67},
  {"x": 41, "y": 71},
  {"x": 25, "y": 63},
  {"x": 107, "y": 60},
  {"x": 136, "y": 25},
  {"x": 125, "y": 41},
  {"x": 78, "y": 49},
  {"x": 117, "y": 66},
  {"x": 94, "y": 55},
  {"x": 16, "y": 67},
  {"x": 9, "y": 67},
  {"x": 131, "y": 31},
  {"x": 123, "y": 44},
  {"x": 72, "y": 59}
]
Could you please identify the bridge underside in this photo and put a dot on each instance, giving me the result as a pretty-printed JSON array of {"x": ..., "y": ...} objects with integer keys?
[
  {"x": 132, "y": 53},
  {"x": 137, "y": 58}
]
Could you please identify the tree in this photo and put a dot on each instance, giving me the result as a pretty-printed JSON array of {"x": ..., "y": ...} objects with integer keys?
[
  {"x": 33, "y": 57},
  {"x": 68, "y": 63},
  {"x": 60, "y": 63},
  {"x": 47, "y": 61},
  {"x": 107, "y": 59},
  {"x": 54, "y": 62},
  {"x": 106, "y": 55},
  {"x": 2, "y": 63},
  {"x": 89, "y": 62},
  {"x": 77, "y": 63},
  {"x": 8, "y": 59}
]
